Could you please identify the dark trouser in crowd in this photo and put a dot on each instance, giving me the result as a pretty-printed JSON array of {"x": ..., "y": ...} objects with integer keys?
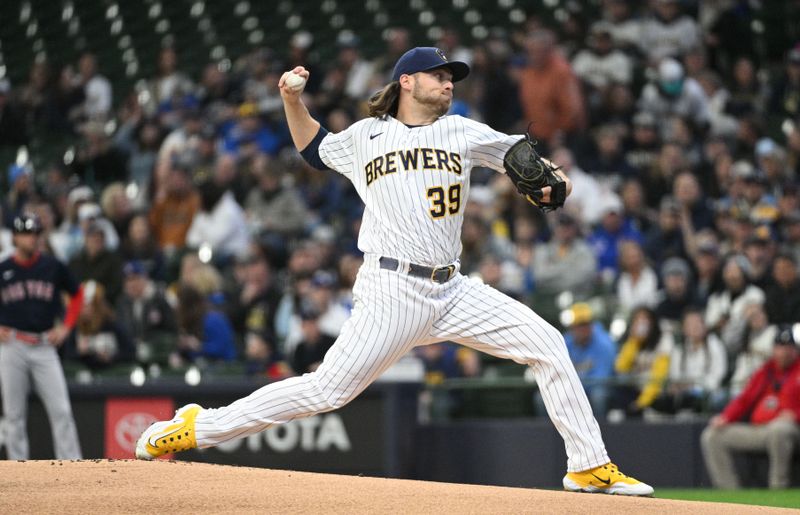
[
  {"x": 23, "y": 365},
  {"x": 778, "y": 439}
]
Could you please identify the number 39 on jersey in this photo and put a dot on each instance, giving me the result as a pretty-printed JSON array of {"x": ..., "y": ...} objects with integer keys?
[{"x": 444, "y": 202}]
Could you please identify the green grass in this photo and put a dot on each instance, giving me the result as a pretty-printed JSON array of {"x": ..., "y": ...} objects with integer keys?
[{"x": 777, "y": 498}]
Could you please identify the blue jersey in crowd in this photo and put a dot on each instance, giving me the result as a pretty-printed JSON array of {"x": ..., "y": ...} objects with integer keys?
[{"x": 595, "y": 360}]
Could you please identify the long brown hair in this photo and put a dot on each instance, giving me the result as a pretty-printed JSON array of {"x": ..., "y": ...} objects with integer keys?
[
  {"x": 385, "y": 101},
  {"x": 91, "y": 321},
  {"x": 192, "y": 309}
]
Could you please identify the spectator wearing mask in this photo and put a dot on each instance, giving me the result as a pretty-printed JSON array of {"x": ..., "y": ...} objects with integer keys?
[
  {"x": 764, "y": 417},
  {"x": 642, "y": 364},
  {"x": 674, "y": 94}
]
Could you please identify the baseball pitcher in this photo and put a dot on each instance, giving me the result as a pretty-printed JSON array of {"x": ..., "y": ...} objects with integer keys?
[{"x": 411, "y": 163}]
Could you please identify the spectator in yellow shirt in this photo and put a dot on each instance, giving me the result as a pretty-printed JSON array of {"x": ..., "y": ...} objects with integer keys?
[{"x": 642, "y": 364}]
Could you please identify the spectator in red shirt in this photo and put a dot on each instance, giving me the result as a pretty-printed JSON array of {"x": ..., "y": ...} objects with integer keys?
[{"x": 764, "y": 417}]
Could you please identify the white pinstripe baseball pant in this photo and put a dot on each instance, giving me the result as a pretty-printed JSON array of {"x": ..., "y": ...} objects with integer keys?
[{"x": 393, "y": 313}]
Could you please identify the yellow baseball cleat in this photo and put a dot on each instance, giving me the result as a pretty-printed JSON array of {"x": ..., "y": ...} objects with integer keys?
[
  {"x": 169, "y": 436},
  {"x": 606, "y": 479}
]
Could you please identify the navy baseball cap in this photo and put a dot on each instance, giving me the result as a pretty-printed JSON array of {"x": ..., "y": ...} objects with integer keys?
[
  {"x": 426, "y": 58},
  {"x": 785, "y": 335},
  {"x": 323, "y": 279},
  {"x": 134, "y": 267},
  {"x": 27, "y": 223}
]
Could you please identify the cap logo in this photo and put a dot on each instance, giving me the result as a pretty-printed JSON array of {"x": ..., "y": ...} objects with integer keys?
[
  {"x": 26, "y": 224},
  {"x": 441, "y": 54}
]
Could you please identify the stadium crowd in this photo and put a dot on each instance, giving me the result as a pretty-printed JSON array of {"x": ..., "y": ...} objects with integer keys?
[{"x": 207, "y": 240}]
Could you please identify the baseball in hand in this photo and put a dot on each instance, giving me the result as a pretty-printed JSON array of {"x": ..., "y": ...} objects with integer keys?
[{"x": 295, "y": 82}]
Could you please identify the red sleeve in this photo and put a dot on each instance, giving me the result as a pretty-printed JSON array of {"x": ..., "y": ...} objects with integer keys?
[
  {"x": 74, "y": 308},
  {"x": 790, "y": 394},
  {"x": 742, "y": 405}
]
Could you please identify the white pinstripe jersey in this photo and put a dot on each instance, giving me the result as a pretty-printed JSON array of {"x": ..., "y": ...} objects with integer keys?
[{"x": 414, "y": 181}]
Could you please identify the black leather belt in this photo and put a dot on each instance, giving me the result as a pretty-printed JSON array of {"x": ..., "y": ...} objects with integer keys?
[{"x": 438, "y": 275}]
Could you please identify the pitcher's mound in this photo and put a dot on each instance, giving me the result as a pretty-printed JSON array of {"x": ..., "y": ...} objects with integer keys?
[{"x": 103, "y": 486}]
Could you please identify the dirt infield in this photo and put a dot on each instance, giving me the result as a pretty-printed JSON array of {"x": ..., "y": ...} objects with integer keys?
[{"x": 103, "y": 486}]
